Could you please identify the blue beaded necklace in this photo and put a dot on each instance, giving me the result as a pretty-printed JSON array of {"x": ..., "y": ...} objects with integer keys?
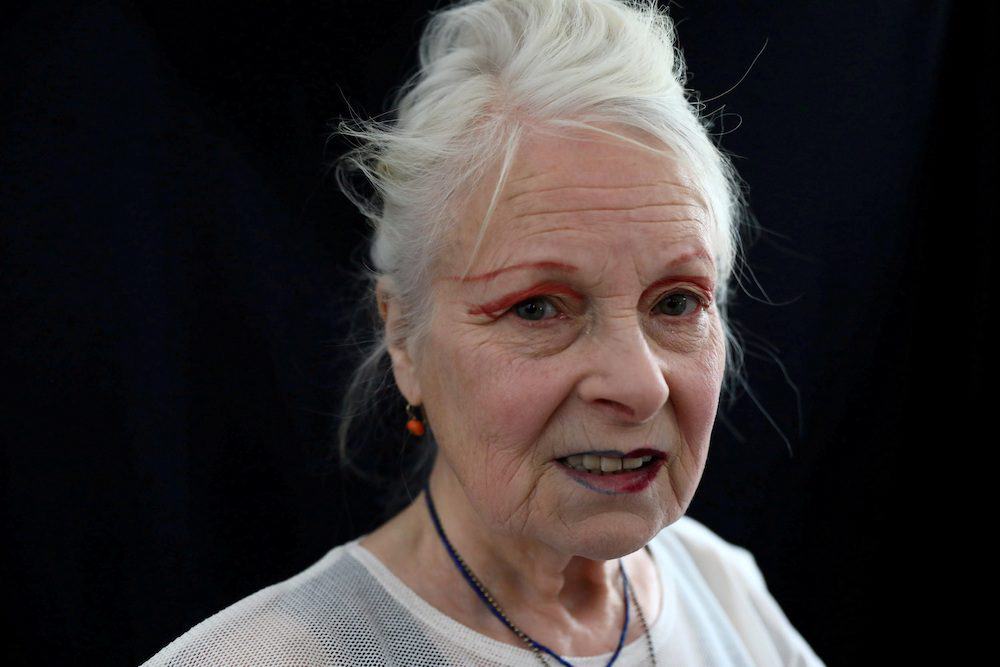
[{"x": 487, "y": 598}]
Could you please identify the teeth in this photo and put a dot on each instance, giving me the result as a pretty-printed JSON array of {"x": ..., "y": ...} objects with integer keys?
[
  {"x": 605, "y": 464},
  {"x": 631, "y": 464},
  {"x": 610, "y": 465}
]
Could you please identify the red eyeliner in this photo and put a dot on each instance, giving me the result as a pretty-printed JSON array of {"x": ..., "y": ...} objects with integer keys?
[
  {"x": 697, "y": 280},
  {"x": 551, "y": 288},
  {"x": 503, "y": 303}
]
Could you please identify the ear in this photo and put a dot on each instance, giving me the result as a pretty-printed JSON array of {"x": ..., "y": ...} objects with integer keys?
[{"x": 403, "y": 368}]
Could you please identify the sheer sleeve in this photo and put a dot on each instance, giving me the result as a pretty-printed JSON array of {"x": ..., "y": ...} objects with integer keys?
[
  {"x": 739, "y": 586},
  {"x": 791, "y": 648}
]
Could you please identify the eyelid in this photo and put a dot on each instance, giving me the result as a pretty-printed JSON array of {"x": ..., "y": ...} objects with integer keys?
[
  {"x": 702, "y": 297},
  {"x": 560, "y": 312},
  {"x": 496, "y": 309},
  {"x": 702, "y": 300}
]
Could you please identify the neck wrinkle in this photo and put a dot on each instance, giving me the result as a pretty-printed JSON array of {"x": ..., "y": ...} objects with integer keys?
[{"x": 518, "y": 574}]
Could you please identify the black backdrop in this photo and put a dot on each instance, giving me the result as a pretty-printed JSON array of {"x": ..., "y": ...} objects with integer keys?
[{"x": 175, "y": 260}]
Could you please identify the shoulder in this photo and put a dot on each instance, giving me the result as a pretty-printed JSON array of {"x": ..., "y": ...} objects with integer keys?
[
  {"x": 720, "y": 575},
  {"x": 279, "y": 625},
  {"x": 722, "y": 562}
]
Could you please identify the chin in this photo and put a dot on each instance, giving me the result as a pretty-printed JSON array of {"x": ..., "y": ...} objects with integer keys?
[{"x": 612, "y": 544}]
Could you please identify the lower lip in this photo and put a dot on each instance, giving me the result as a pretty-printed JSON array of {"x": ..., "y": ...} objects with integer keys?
[{"x": 632, "y": 481}]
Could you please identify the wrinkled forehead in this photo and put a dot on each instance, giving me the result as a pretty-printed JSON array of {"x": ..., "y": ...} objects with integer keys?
[
  {"x": 595, "y": 160},
  {"x": 575, "y": 184}
]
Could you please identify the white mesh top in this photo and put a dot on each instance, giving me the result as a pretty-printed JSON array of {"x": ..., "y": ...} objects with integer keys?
[{"x": 349, "y": 609}]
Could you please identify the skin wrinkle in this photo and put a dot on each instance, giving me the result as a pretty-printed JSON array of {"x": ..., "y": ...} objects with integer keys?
[
  {"x": 627, "y": 207},
  {"x": 512, "y": 198},
  {"x": 506, "y": 397},
  {"x": 545, "y": 231},
  {"x": 629, "y": 218},
  {"x": 541, "y": 215}
]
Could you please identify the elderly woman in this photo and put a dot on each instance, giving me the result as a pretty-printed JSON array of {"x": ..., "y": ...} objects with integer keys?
[{"x": 554, "y": 241}]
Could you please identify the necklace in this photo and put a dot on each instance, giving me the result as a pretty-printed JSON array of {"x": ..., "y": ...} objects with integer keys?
[{"x": 487, "y": 598}]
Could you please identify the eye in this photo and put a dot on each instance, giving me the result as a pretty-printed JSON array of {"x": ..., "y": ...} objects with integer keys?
[
  {"x": 678, "y": 304},
  {"x": 534, "y": 309}
]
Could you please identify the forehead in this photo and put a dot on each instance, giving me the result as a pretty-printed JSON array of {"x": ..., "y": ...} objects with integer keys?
[{"x": 571, "y": 191}]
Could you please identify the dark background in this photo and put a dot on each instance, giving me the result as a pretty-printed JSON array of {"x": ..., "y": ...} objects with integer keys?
[{"x": 175, "y": 284}]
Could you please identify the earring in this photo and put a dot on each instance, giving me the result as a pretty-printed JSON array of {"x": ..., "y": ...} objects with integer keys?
[{"x": 414, "y": 425}]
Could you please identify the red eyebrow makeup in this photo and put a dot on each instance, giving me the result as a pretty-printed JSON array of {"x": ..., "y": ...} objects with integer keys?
[
  {"x": 562, "y": 266},
  {"x": 526, "y": 265}
]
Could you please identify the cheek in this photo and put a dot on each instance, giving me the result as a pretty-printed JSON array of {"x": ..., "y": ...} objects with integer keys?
[
  {"x": 698, "y": 382},
  {"x": 524, "y": 395},
  {"x": 495, "y": 398}
]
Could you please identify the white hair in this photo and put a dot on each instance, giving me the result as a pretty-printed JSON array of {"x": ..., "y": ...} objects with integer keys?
[{"x": 490, "y": 71}]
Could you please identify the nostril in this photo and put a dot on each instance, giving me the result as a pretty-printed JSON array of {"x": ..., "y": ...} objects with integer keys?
[{"x": 620, "y": 408}]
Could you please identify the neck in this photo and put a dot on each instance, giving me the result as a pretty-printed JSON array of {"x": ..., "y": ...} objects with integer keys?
[
  {"x": 526, "y": 577},
  {"x": 573, "y": 605}
]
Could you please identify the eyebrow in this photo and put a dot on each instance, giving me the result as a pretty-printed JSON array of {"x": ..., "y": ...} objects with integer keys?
[
  {"x": 561, "y": 266},
  {"x": 699, "y": 253}
]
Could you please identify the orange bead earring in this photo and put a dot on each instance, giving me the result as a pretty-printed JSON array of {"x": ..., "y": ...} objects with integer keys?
[{"x": 414, "y": 425}]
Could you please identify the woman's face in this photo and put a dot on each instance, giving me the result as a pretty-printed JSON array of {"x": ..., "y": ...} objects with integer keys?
[{"x": 586, "y": 324}]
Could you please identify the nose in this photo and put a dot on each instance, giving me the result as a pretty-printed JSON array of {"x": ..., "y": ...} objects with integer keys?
[{"x": 625, "y": 377}]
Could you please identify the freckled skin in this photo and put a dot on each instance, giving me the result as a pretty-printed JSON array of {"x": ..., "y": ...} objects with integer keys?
[{"x": 505, "y": 396}]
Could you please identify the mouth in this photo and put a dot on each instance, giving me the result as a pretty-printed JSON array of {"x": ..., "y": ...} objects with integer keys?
[{"x": 611, "y": 462}]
